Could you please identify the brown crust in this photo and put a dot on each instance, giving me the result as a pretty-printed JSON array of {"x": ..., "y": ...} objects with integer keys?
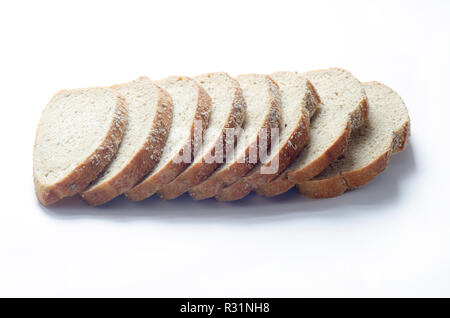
[
  {"x": 242, "y": 165},
  {"x": 325, "y": 188},
  {"x": 338, "y": 184},
  {"x": 144, "y": 159},
  {"x": 199, "y": 171},
  {"x": 275, "y": 187},
  {"x": 173, "y": 168},
  {"x": 236, "y": 191},
  {"x": 90, "y": 168}
]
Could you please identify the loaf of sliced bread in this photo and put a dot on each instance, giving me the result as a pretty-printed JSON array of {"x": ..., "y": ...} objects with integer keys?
[
  {"x": 385, "y": 132},
  {"x": 79, "y": 133},
  {"x": 191, "y": 109},
  {"x": 343, "y": 108},
  {"x": 262, "y": 97},
  {"x": 228, "y": 110},
  {"x": 149, "y": 120}
]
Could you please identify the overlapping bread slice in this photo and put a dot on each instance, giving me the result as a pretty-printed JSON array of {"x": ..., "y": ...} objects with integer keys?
[
  {"x": 149, "y": 120},
  {"x": 78, "y": 134},
  {"x": 228, "y": 110},
  {"x": 385, "y": 132},
  {"x": 299, "y": 102},
  {"x": 191, "y": 109},
  {"x": 262, "y": 97},
  {"x": 343, "y": 108}
]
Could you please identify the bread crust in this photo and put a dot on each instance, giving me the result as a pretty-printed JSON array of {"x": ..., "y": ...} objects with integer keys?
[
  {"x": 144, "y": 159},
  {"x": 242, "y": 165},
  {"x": 348, "y": 180},
  {"x": 236, "y": 191},
  {"x": 173, "y": 168},
  {"x": 199, "y": 171},
  {"x": 90, "y": 168},
  {"x": 338, "y": 184},
  {"x": 289, "y": 178}
]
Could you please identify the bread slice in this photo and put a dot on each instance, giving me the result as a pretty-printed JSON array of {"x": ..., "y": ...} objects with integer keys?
[
  {"x": 191, "y": 111},
  {"x": 343, "y": 108},
  {"x": 228, "y": 110},
  {"x": 149, "y": 120},
  {"x": 262, "y": 96},
  {"x": 78, "y": 134},
  {"x": 370, "y": 148}
]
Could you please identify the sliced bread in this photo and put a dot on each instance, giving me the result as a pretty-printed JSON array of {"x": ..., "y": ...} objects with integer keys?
[
  {"x": 385, "y": 132},
  {"x": 79, "y": 133},
  {"x": 228, "y": 110},
  {"x": 299, "y": 103},
  {"x": 262, "y": 97},
  {"x": 149, "y": 120},
  {"x": 191, "y": 109},
  {"x": 343, "y": 108}
]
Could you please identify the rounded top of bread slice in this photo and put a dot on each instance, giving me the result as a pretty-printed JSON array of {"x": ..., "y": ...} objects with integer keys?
[
  {"x": 142, "y": 96},
  {"x": 343, "y": 107},
  {"x": 77, "y": 136},
  {"x": 383, "y": 132}
]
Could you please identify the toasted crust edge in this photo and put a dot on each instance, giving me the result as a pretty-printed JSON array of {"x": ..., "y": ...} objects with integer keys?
[
  {"x": 238, "y": 190},
  {"x": 211, "y": 186},
  {"x": 91, "y": 167},
  {"x": 199, "y": 171},
  {"x": 144, "y": 159},
  {"x": 172, "y": 169}
]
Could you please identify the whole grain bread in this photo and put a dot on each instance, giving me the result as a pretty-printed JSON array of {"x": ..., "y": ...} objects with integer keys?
[
  {"x": 228, "y": 110},
  {"x": 78, "y": 134},
  {"x": 370, "y": 148},
  {"x": 191, "y": 110},
  {"x": 343, "y": 109},
  {"x": 263, "y": 101},
  {"x": 149, "y": 120}
]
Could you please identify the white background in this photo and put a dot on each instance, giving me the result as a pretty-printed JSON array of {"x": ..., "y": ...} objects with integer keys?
[{"x": 389, "y": 238}]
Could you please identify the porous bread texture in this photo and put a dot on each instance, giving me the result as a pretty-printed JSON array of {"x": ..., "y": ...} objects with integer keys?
[
  {"x": 228, "y": 110},
  {"x": 343, "y": 109},
  {"x": 149, "y": 120},
  {"x": 370, "y": 147},
  {"x": 262, "y": 97},
  {"x": 299, "y": 103},
  {"x": 191, "y": 104},
  {"x": 78, "y": 134}
]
